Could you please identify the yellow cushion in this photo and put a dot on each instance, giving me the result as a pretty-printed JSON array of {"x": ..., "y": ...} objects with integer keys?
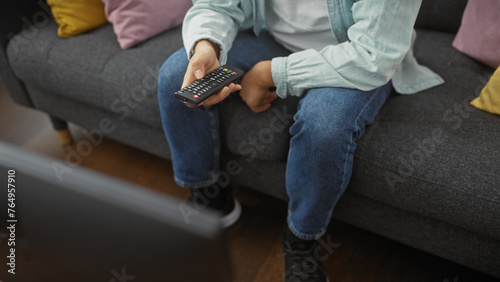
[
  {"x": 489, "y": 99},
  {"x": 77, "y": 16}
]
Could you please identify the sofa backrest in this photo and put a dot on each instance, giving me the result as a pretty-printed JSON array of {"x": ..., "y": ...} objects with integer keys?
[{"x": 441, "y": 15}]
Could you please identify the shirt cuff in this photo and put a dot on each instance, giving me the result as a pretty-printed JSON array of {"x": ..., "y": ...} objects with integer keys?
[{"x": 278, "y": 71}]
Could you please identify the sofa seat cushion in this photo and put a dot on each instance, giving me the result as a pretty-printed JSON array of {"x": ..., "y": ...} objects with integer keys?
[
  {"x": 263, "y": 136},
  {"x": 432, "y": 153}
]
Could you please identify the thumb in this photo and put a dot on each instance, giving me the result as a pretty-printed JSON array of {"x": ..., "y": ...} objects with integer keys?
[
  {"x": 199, "y": 73},
  {"x": 195, "y": 70},
  {"x": 198, "y": 68}
]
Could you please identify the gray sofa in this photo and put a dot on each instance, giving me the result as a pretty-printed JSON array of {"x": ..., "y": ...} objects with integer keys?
[{"x": 426, "y": 173}]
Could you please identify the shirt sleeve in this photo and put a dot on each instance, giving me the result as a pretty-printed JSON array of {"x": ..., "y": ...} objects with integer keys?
[
  {"x": 378, "y": 41},
  {"x": 215, "y": 20}
]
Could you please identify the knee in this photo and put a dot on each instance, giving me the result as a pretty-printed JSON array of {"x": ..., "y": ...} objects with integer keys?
[
  {"x": 171, "y": 76},
  {"x": 320, "y": 120}
]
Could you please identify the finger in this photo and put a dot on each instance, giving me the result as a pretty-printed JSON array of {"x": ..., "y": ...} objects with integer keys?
[
  {"x": 236, "y": 87},
  {"x": 195, "y": 69},
  {"x": 198, "y": 68},
  {"x": 188, "y": 78},
  {"x": 260, "y": 108},
  {"x": 218, "y": 97},
  {"x": 270, "y": 97},
  {"x": 232, "y": 88}
]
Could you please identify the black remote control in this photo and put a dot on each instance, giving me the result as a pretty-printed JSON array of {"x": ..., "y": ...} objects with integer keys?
[{"x": 201, "y": 89}]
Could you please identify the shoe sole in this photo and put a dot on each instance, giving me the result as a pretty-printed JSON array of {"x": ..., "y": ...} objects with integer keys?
[{"x": 231, "y": 217}]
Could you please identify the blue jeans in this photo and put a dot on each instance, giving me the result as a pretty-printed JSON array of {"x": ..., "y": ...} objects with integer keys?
[{"x": 327, "y": 124}]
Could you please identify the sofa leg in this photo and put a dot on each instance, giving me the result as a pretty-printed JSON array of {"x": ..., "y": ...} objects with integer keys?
[{"x": 62, "y": 130}]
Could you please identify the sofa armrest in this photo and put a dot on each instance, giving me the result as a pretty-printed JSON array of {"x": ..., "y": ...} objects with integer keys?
[
  {"x": 14, "y": 86},
  {"x": 16, "y": 16}
]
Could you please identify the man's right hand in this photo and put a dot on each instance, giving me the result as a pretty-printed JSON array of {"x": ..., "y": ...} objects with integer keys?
[{"x": 205, "y": 60}]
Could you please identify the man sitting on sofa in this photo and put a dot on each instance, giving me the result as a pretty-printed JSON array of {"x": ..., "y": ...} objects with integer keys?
[{"x": 338, "y": 56}]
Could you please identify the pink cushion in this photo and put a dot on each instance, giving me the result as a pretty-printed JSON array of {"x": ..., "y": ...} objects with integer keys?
[
  {"x": 137, "y": 20},
  {"x": 479, "y": 34}
]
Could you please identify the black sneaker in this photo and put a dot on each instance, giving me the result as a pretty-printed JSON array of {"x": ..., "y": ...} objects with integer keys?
[
  {"x": 301, "y": 262},
  {"x": 219, "y": 199}
]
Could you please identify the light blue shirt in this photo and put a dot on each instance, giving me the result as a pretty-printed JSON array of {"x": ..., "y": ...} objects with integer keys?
[{"x": 375, "y": 39}]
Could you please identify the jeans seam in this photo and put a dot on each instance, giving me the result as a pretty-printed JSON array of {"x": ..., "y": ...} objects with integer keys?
[
  {"x": 356, "y": 126},
  {"x": 300, "y": 234},
  {"x": 198, "y": 184},
  {"x": 316, "y": 236},
  {"x": 216, "y": 140}
]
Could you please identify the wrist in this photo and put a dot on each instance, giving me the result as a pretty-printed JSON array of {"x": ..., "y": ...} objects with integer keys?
[
  {"x": 264, "y": 70},
  {"x": 204, "y": 44}
]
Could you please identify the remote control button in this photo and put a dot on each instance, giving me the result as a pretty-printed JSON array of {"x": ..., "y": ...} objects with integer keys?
[
  {"x": 196, "y": 96},
  {"x": 234, "y": 72}
]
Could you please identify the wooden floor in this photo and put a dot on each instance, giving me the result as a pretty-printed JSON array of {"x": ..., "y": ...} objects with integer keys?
[{"x": 254, "y": 241}]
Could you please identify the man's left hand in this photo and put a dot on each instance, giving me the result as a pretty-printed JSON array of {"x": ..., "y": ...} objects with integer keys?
[{"x": 255, "y": 87}]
